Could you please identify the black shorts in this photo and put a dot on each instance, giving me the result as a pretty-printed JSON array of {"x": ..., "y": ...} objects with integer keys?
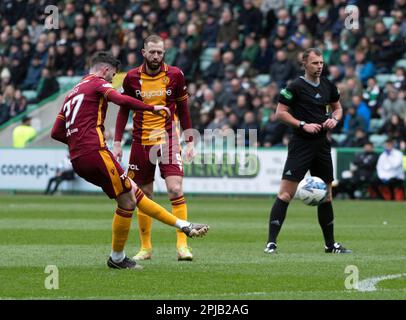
[{"x": 304, "y": 155}]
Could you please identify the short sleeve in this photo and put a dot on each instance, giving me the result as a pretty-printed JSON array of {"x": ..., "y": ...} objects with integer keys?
[
  {"x": 181, "y": 87},
  {"x": 104, "y": 87},
  {"x": 335, "y": 93},
  {"x": 287, "y": 96}
]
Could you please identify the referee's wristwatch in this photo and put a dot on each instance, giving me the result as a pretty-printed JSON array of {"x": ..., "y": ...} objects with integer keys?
[{"x": 301, "y": 124}]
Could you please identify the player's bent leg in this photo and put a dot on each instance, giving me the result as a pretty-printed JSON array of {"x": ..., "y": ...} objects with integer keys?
[{"x": 278, "y": 213}]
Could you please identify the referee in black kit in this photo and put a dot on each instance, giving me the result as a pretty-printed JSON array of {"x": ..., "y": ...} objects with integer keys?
[{"x": 303, "y": 105}]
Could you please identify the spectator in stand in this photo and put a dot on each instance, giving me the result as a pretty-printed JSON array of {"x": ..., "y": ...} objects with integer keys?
[
  {"x": 352, "y": 121},
  {"x": 362, "y": 174},
  {"x": 349, "y": 88},
  {"x": 273, "y": 131},
  {"x": 394, "y": 127},
  {"x": 23, "y": 133},
  {"x": 372, "y": 96},
  {"x": 393, "y": 104},
  {"x": 33, "y": 74},
  {"x": 220, "y": 95},
  {"x": 248, "y": 19},
  {"x": 364, "y": 68},
  {"x": 63, "y": 58},
  {"x": 264, "y": 58},
  {"x": 233, "y": 90},
  {"x": 400, "y": 79},
  {"x": 64, "y": 172},
  {"x": 335, "y": 74},
  {"x": 251, "y": 50},
  {"x": 390, "y": 173},
  {"x": 362, "y": 111},
  {"x": 47, "y": 85},
  {"x": 184, "y": 61},
  {"x": 371, "y": 20},
  {"x": 210, "y": 31},
  {"x": 236, "y": 50},
  {"x": 228, "y": 30},
  {"x": 282, "y": 69},
  {"x": 251, "y": 129},
  {"x": 285, "y": 19},
  {"x": 208, "y": 104},
  {"x": 241, "y": 107},
  {"x": 18, "y": 104},
  {"x": 78, "y": 60},
  {"x": 358, "y": 140},
  {"x": 4, "y": 111},
  {"x": 219, "y": 120},
  {"x": 215, "y": 70},
  {"x": 171, "y": 52}
]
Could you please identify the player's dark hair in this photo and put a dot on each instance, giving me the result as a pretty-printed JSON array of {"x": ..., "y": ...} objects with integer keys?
[
  {"x": 307, "y": 52},
  {"x": 104, "y": 57},
  {"x": 154, "y": 38}
]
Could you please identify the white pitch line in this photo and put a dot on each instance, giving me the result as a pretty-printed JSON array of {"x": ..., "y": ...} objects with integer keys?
[{"x": 370, "y": 283}]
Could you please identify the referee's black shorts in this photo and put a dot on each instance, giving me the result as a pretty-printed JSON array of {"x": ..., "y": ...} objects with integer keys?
[{"x": 305, "y": 154}]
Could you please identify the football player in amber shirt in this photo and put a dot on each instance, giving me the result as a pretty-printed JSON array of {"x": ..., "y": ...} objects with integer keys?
[
  {"x": 157, "y": 138},
  {"x": 79, "y": 124}
]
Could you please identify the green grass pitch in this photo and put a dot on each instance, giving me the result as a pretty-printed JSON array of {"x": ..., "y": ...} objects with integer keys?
[{"x": 74, "y": 233}]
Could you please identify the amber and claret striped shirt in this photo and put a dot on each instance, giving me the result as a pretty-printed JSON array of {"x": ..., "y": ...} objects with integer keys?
[
  {"x": 80, "y": 122},
  {"x": 165, "y": 88}
]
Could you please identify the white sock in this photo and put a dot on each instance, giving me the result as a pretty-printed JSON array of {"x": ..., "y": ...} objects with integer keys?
[
  {"x": 181, "y": 223},
  {"x": 117, "y": 256}
]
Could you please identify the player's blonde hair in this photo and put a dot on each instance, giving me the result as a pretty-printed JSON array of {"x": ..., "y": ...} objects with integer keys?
[{"x": 154, "y": 38}]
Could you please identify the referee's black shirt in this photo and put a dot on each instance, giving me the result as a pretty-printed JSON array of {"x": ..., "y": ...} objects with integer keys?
[{"x": 309, "y": 102}]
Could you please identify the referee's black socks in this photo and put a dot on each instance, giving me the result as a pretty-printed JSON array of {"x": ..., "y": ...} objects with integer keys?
[
  {"x": 278, "y": 214},
  {"x": 326, "y": 221}
]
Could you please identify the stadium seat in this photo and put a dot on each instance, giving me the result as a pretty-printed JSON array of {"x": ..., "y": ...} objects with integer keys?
[
  {"x": 339, "y": 137},
  {"x": 401, "y": 63},
  {"x": 375, "y": 125},
  {"x": 68, "y": 81},
  {"x": 388, "y": 21},
  {"x": 378, "y": 139},
  {"x": 382, "y": 79},
  {"x": 262, "y": 80},
  {"x": 295, "y": 5},
  {"x": 206, "y": 57},
  {"x": 128, "y": 25},
  {"x": 30, "y": 94}
]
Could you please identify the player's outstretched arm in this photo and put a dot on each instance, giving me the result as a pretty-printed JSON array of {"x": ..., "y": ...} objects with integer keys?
[
  {"x": 58, "y": 130},
  {"x": 130, "y": 102}
]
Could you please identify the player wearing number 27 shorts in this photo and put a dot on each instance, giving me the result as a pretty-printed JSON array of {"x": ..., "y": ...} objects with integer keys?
[{"x": 80, "y": 125}]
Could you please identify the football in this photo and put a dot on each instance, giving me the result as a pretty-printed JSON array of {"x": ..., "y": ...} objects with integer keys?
[{"x": 312, "y": 191}]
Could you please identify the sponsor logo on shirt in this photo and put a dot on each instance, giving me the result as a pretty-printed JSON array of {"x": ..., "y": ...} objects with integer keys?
[{"x": 153, "y": 93}]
